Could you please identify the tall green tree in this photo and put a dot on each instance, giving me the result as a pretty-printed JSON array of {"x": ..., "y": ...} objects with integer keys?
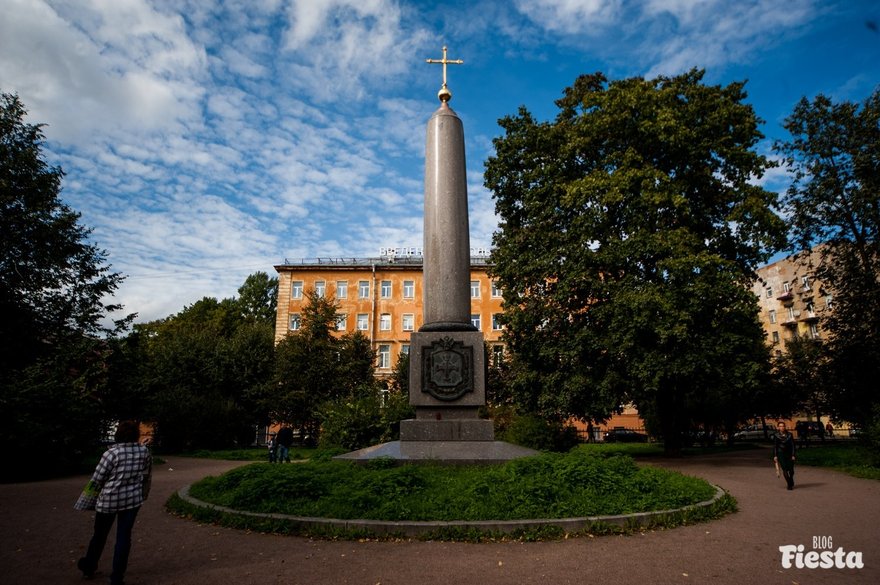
[
  {"x": 834, "y": 201},
  {"x": 313, "y": 367},
  {"x": 630, "y": 227},
  {"x": 204, "y": 371},
  {"x": 54, "y": 291},
  {"x": 258, "y": 297}
]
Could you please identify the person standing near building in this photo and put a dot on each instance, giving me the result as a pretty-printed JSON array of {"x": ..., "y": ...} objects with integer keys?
[
  {"x": 285, "y": 441},
  {"x": 123, "y": 476},
  {"x": 784, "y": 452}
]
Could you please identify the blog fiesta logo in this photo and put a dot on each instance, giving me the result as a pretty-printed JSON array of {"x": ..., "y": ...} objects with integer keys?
[{"x": 823, "y": 556}]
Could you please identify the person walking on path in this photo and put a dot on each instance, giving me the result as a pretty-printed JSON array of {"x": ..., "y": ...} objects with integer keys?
[
  {"x": 784, "y": 453},
  {"x": 123, "y": 476}
]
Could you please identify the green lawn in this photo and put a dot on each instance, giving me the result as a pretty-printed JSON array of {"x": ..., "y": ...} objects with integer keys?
[
  {"x": 852, "y": 458},
  {"x": 580, "y": 483}
]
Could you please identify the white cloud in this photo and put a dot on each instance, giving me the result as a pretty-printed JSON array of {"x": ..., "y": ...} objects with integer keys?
[
  {"x": 346, "y": 48},
  {"x": 571, "y": 16}
]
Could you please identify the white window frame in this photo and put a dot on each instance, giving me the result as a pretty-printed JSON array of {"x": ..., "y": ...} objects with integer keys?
[
  {"x": 384, "y": 356},
  {"x": 296, "y": 289},
  {"x": 805, "y": 281},
  {"x": 363, "y": 289},
  {"x": 475, "y": 321},
  {"x": 408, "y": 321},
  {"x": 409, "y": 289},
  {"x": 341, "y": 321},
  {"x": 496, "y": 290},
  {"x": 363, "y": 321},
  {"x": 475, "y": 290},
  {"x": 320, "y": 288},
  {"x": 496, "y": 325},
  {"x": 769, "y": 292},
  {"x": 385, "y": 322},
  {"x": 775, "y": 337},
  {"x": 385, "y": 289},
  {"x": 341, "y": 289},
  {"x": 772, "y": 316},
  {"x": 404, "y": 349},
  {"x": 814, "y": 331},
  {"x": 295, "y": 322}
]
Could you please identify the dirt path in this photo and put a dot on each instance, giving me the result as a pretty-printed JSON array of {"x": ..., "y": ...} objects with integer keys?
[{"x": 41, "y": 537}]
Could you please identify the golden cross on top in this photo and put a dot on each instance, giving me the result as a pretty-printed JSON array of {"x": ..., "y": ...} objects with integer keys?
[{"x": 444, "y": 94}]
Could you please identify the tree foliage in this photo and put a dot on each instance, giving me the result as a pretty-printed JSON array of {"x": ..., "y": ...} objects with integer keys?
[
  {"x": 54, "y": 286},
  {"x": 630, "y": 227},
  {"x": 204, "y": 371},
  {"x": 834, "y": 201},
  {"x": 258, "y": 297},
  {"x": 312, "y": 367}
]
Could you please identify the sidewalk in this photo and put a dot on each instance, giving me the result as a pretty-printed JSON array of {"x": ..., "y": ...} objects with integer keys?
[{"x": 41, "y": 536}]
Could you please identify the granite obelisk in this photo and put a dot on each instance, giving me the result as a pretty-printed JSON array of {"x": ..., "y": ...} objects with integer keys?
[{"x": 447, "y": 379}]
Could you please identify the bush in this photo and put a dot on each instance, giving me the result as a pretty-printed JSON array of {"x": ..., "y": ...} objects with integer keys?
[
  {"x": 538, "y": 433},
  {"x": 359, "y": 422}
]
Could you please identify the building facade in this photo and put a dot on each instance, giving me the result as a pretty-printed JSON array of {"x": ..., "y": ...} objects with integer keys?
[
  {"x": 791, "y": 301},
  {"x": 381, "y": 298}
]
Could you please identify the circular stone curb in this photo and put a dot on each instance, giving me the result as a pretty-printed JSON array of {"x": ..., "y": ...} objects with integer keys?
[{"x": 415, "y": 528}]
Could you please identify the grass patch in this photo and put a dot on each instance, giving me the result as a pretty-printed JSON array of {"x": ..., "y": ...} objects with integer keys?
[
  {"x": 854, "y": 459},
  {"x": 576, "y": 484}
]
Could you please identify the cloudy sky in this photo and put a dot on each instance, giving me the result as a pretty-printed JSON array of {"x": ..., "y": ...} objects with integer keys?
[{"x": 205, "y": 140}]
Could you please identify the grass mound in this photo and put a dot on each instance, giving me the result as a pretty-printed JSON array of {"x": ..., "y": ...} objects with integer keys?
[{"x": 548, "y": 486}]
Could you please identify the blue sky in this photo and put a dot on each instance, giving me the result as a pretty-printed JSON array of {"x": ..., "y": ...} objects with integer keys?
[{"x": 204, "y": 140}]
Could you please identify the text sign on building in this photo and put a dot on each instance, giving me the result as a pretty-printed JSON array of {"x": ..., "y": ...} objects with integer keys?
[{"x": 418, "y": 252}]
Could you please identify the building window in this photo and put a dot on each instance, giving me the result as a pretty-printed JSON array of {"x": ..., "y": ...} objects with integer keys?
[
  {"x": 809, "y": 309},
  {"x": 805, "y": 281},
  {"x": 385, "y": 322},
  {"x": 773, "y": 316},
  {"x": 409, "y": 322},
  {"x": 363, "y": 322},
  {"x": 814, "y": 331},
  {"x": 786, "y": 287},
  {"x": 775, "y": 336},
  {"x": 497, "y": 354},
  {"x": 791, "y": 313},
  {"x": 496, "y": 290},
  {"x": 320, "y": 288},
  {"x": 404, "y": 349},
  {"x": 496, "y": 322},
  {"x": 341, "y": 289},
  {"x": 296, "y": 289},
  {"x": 475, "y": 289},
  {"x": 384, "y": 356},
  {"x": 828, "y": 300},
  {"x": 769, "y": 292},
  {"x": 475, "y": 321},
  {"x": 341, "y": 321},
  {"x": 409, "y": 289},
  {"x": 364, "y": 289},
  {"x": 295, "y": 322},
  {"x": 385, "y": 291}
]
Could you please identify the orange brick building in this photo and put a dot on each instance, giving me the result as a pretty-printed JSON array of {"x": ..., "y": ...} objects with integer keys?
[{"x": 380, "y": 297}]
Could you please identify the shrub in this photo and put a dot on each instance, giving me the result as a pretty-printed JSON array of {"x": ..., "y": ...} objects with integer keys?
[{"x": 538, "y": 433}]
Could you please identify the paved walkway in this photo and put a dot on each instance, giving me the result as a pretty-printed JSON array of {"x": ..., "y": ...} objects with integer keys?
[{"x": 41, "y": 537}]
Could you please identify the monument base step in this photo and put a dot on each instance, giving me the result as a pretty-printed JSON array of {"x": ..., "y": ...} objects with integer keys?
[{"x": 444, "y": 452}]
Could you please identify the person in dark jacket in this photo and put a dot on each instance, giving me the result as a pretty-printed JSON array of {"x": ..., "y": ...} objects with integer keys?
[
  {"x": 784, "y": 453},
  {"x": 285, "y": 441}
]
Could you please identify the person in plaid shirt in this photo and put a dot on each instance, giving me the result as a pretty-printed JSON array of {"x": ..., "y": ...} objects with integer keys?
[{"x": 123, "y": 475}]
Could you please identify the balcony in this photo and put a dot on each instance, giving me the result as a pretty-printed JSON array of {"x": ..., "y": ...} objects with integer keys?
[
  {"x": 809, "y": 316},
  {"x": 786, "y": 297}
]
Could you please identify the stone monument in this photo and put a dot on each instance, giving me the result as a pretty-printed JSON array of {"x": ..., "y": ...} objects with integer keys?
[{"x": 447, "y": 380}]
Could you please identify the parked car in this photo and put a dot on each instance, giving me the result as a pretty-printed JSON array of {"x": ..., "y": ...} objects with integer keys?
[
  {"x": 754, "y": 432},
  {"x": 621, "y": 435}
]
